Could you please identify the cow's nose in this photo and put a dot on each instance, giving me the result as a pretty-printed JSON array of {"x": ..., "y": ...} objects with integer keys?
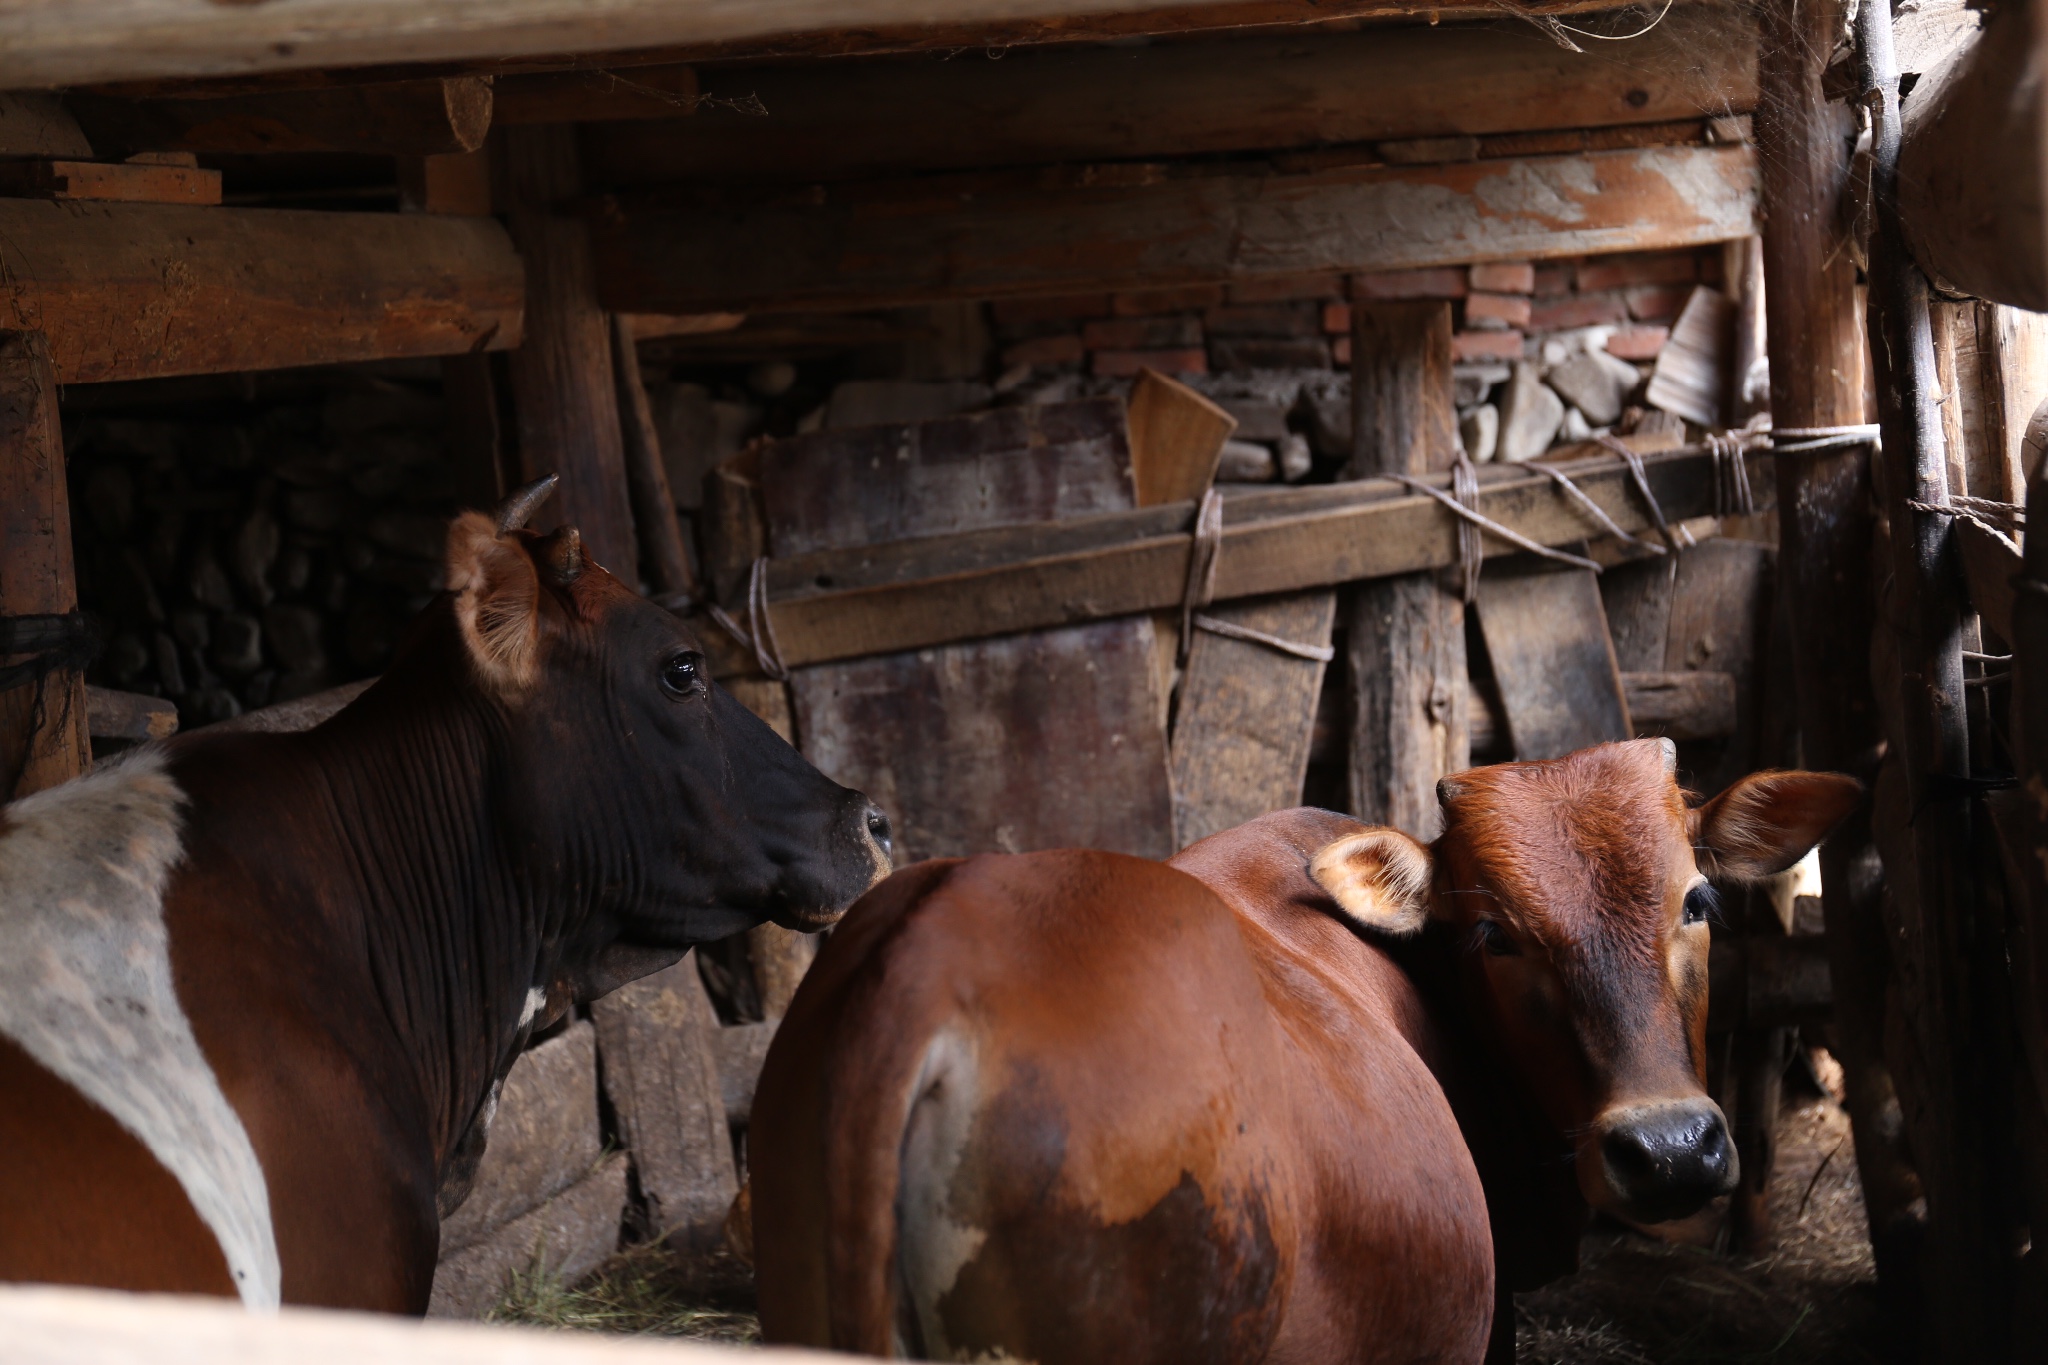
[{"x": 1667, "y": 1160}]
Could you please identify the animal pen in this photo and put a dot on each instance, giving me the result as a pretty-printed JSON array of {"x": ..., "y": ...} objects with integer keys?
[{"x": 1098, "y": 424}]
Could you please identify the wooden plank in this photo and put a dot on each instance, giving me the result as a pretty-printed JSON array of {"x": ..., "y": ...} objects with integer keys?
[
  {"x": 869, "y": 485},
  {"x": 1553, "y": 662},
  {"x": 1720, "y": 615},
  {"x": 128, "y": 715},
  {"x": 133, "y": 291},
  {"x": 644, "y": 92},
  {"x": 654, "y": 1037},
  {"x": 1176, "y": 437},
  {"x": 403, "y": 118},
  {"x": 561, "y": 374},
  {"x": 2012, "y": 348},
  {"x": 843, "y": 604},
  {"x": 857, "y": 118},
  {"x": 1247, "y": 712},
  {"x": 1637, "y": 598},
  {"x": 76, "y": 42},
  {"x": 1409, "y": 725},
  {"x": 1824, "y": 499},
  {"x": 113, "y": 182},
  {"x": 1681, "y": 706},
  {"x": 43, "y": 738},
  {"x": 925, "y": 241},
  {"x": 973, "y": 746},
  {"x": 1991, "y": 561}
]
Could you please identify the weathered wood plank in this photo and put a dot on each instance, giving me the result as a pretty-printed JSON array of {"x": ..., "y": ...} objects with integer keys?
[
  {"x": 109, "y": 182},
  {"x": 135, "y": 291},
  {"x": 854, "y": 118},
  {"x": 69, "y": 42},
  {"x": 1720, "y": 615},
  {"x": 1247, "y": 710},
  {"x": 843, "y": 604},
  {"x": 544, "y": 1138},
  {"x": 403, "y": 118},
  {"x": 1553, "y": 662},
  {"x": 128, "y": 715},
  {"x": 1176, "y": 436},
  {"x": 43, "y": 737},
  {"x": 1681, "y": 706},
  {"x": 1991, "y": 561},
  {"x": 927, "y": 241}
]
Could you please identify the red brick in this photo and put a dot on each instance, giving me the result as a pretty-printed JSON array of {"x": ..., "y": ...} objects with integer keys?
[
  {"x": 1340, "y": 353},
  {"x": 1264, "y": 320},
  {"x": 1505, "y": 277},
  {"x": 1554, "y": 277},
  {"x": 1638, "y": 343},
  {"x": 1286, "y": 288},
  {"x": 1066, "y": 306},
  {"x": 1337, "y": 319},
  {"x": 1657, "y": 302},
  {"x": 1065, "y": 349},
  {"x": 1486, "y": 346},
  {"x": 1191, "y": 298},
  {"x": 1121, "y": 364},
  {"x": 1496, "y": 310},
  {"x": 1141, "y": 334},
  {"x": 1576, "y": 310},
  {"x": 1618, "y": 272},
  {"x": 1445, "y": 282}
]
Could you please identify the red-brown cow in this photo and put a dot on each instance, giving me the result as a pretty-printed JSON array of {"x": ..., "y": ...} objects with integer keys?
[
  {"x": 257, "y": 992},
  {"x": 1076, "y": 1106}
]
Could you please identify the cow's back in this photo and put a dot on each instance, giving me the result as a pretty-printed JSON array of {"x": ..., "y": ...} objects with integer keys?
[{"x": 1111, "y": 1119}]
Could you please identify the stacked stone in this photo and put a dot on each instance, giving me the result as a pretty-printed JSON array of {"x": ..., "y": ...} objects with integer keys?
[{"x": 250, "y": 552}]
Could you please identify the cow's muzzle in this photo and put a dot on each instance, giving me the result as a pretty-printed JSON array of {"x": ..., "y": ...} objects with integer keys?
[{"x": 1664, "y": 1160}]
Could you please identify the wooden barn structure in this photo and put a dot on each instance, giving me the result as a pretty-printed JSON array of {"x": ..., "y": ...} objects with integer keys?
[{"x": 1182, "y": 364}]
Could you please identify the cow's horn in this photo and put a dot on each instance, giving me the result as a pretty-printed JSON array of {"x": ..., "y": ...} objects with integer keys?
[
  {"x": 514, "y": 510},
  {"x": 561, "y": 554}
]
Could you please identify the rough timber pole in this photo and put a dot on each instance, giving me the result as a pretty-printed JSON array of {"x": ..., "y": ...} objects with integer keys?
[
  {"x": 1951, "y": 992},
  {"x": 1824, "y": 512},
  {"x": 1407, "y": 634}
]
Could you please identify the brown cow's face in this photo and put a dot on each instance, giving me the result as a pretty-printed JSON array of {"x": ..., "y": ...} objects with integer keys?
[
  {"x": 1579, "y": 888},
  {"x": 670, "y": 809}
]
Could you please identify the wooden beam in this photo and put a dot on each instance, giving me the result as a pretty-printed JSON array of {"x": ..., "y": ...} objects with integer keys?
[
  {"x": 134, "y": 291},
  {"x": 109, "y": 182},
  {"x": 1825, "y": 526},
  {"x": 566, "y": 409},
  {"x": 128, "y": 715},
  {"x": 1970, "y": 194},
  {"x": 46, "y": 43},
  {"x": 860, "y": 118},
  {"x": 877, "y": 599},
  {"x": 932, "y": 240},
  {"x": 404, "y": 118},
  {"x": 43, "y": 738},
  {"x": 1406, "y": 634}
]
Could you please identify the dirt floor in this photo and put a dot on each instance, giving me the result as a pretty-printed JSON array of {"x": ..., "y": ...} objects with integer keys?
[{"x": 1635, "y": 1300}]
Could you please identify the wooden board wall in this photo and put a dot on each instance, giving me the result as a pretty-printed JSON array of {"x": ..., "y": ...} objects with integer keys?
[{"x": 864, "y": 247}]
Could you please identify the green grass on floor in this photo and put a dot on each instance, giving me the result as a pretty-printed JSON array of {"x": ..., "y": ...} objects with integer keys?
[{"x": 642, "y": 1291}]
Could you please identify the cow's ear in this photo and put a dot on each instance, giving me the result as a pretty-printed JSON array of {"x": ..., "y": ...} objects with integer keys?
[
  {"x": 1379, "y": 877},
  {"x": 1767, "y": 821},
  {"x": 497, "y": 600}
]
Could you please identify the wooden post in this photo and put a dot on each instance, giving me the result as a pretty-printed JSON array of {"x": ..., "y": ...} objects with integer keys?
[
  {"x": 1953, "y": 979},
  {"x": 1816, "y": 358},
  {"x": 42, "y": 719},
  {"x": 1407, "y": 635},
  {"x": 561, "y": 375},
  {"x": 654, "y": 504}
]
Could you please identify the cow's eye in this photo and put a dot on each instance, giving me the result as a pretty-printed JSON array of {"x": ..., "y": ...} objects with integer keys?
[
  {"x": 1497, "y": 941},
  {"x": 682, "y": 674},
  {"x": 1702, "y": 903}
]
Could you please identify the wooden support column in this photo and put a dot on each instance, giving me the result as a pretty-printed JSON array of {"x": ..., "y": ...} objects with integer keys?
[
  {"x": 1407, "y": 635},
  {"x": 1952, "y": 978},
  {"x": 1816, "y": 359},
  {"x": 42, "y": 719},
  {"x": 567, "y": 414}
]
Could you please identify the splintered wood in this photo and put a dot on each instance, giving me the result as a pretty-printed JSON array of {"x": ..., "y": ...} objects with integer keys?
[{"x": 1030, "y": 741}]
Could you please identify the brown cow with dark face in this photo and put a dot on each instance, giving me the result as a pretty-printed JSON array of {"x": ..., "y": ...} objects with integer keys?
[
  {"x": 257, "y": 992},
  {"x": 1075, "y": 1106}
]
